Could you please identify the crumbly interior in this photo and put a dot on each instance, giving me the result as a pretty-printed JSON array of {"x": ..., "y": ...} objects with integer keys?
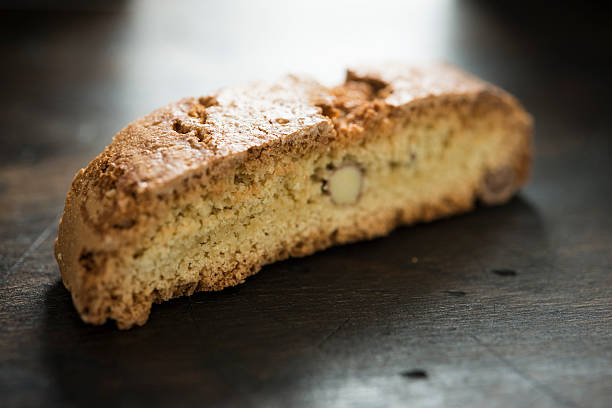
[{"x": 279, "y": 208}]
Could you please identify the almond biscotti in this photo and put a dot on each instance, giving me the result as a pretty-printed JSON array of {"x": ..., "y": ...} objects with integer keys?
[{"x": 202, "y": 193}]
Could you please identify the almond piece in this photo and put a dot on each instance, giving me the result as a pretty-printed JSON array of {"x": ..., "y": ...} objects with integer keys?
[
  {"x": 498, "y": 185},
  {"x": 344, "y": 185}
]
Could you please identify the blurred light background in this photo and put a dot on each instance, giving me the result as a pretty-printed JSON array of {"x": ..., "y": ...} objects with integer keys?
[{"x": 108, "y": 62}]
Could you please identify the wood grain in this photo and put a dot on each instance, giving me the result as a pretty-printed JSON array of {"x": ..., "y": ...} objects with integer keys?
[{"x": 506, "y": 306}]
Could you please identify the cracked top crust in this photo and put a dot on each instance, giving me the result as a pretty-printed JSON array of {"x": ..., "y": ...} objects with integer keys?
[
  {"x": 193, "y": 133},
  {"x": 399, "y": 84}
]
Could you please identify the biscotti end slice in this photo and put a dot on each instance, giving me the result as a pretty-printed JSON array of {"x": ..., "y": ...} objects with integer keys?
[{"x": 201, "y": 194}]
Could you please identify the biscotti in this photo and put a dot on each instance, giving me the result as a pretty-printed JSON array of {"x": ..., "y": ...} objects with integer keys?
[{"x": 200, "y": 194}]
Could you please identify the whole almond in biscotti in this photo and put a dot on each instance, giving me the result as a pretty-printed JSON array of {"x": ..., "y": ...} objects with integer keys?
[
  {"x": 202, "y": 193},
  {"x": 344, "y": 184}
]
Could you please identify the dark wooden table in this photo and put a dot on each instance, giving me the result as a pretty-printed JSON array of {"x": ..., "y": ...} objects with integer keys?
[{"x": 507, "y": 306}]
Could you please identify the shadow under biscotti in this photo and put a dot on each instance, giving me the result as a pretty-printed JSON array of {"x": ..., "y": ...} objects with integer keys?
[{"x": 292, "y": 319}]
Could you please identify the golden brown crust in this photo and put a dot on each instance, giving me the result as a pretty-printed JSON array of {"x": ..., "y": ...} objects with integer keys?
[{"x": 196, "y": 141}]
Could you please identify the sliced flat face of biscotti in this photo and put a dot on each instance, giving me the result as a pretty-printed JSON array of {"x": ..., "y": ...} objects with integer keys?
[{"x": 201, "y": 194}]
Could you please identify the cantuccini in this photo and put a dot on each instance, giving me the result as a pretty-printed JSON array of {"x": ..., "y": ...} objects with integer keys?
[{"x": 200, "y": 194}]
